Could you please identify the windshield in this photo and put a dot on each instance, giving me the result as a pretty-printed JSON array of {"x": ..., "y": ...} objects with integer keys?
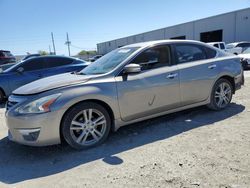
[
  {"x": 108, "y": 62},
  {"x": 246, "y": 51},
  {"x": 229, "y": 46}
]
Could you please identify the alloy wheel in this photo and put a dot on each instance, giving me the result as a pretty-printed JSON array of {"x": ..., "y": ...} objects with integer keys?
[
  {"x": 223, "y": 95},
  {"x": 88, "y": 127}
]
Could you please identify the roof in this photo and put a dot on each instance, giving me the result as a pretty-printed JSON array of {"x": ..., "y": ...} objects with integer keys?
[
  {"x": 53, "y": 56},
  {"x": 212, "y": 43},
  {"x": 150, "y": 43}
]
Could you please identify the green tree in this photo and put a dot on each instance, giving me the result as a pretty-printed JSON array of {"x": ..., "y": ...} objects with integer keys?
[
  {"x": 84, "y": 52},
  {"x": 42, "y": 52}
]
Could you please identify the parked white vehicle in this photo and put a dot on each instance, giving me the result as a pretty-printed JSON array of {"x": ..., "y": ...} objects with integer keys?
[
  {"x": 220, "y": 45},
  {"x": 245, "y": 58},
  {"x": 237, "y": 47},
  {"x": 223, "y": 46}
]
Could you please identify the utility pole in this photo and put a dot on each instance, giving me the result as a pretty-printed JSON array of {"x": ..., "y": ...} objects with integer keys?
[
  {"x": 68, "y": 43},
  {"x": 49, "y": 50},
  {"x": 53, "y": 42}
]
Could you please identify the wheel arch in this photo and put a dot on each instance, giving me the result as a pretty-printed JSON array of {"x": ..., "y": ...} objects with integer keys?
[
  {"x": 97, "y": 101},
  {"x": 2, "y": 90},
  {"x": 230, "y": 79}
]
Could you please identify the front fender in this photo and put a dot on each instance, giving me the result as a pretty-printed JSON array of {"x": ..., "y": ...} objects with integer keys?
[
  {"x": 229, "y": 68},
  {"x": 102, "y": 92}
]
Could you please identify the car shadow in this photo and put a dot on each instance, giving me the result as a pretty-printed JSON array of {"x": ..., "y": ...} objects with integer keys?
[{"x": 20, "y": 163}]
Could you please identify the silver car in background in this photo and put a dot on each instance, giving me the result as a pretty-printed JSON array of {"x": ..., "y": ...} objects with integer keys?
[{"x": 129, "y": 84}]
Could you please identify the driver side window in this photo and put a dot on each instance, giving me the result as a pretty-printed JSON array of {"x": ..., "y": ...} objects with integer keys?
[
  {"x": 33, "y": 64},
  {"x": 154, "y": 58}
]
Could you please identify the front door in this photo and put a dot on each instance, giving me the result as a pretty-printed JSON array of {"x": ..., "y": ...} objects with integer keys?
[{"x": 155, "y": 89}]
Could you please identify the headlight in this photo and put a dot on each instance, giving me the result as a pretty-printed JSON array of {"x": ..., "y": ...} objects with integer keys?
[{"x": 38, "y": 106}]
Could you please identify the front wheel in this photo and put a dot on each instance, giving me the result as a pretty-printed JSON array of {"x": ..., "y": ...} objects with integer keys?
[
  {"x": 1, "y": 96},
  {"x": 86, "y": 125},
  {"x": 221, "y": 95}
]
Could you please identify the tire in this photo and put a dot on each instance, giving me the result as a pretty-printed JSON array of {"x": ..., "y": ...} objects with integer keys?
[
  {"x": 78, "y": 129},
  {"x": 217, "y": 96},
  {"x": 2, "y": 96},
  {"x": 244, "y": 65}
]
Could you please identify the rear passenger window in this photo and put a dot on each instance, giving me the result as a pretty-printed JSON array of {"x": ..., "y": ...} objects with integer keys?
[
  {"x": 189, "y": 52},
  {"x": 56, "y": 62}
]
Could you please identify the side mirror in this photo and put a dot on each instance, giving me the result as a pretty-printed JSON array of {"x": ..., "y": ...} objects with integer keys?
[
  {"x": 20, "y": 70},
  {"x": 132, "y": 68}
]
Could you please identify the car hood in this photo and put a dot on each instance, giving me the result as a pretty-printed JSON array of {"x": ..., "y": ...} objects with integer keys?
[
  {"x": 52, "y": 82},
  {"x": 2, "y": 73},
  {"x": 5, "y": 74}
]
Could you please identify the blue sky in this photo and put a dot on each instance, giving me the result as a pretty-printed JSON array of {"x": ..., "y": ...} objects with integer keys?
[{"x": 26, "y": 24}]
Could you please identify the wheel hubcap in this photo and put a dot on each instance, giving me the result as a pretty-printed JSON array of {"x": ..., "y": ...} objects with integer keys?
[
  {"x": 223, "y": 95},
  {"x": 88, "y": 127}
]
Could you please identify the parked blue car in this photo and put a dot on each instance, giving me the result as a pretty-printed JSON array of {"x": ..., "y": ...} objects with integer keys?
[{"x": 36, "y": 68}]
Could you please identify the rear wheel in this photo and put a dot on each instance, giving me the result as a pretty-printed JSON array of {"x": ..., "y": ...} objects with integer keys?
[
  {"x": 221, "y": 95},
  {"x": 86, "y": 125}
]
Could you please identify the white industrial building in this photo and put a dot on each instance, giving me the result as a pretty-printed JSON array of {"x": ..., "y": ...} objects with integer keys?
[{"x": 228, "y": 27}]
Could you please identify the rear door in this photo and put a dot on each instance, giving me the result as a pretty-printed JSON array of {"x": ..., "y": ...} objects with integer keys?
[
  {"x": 155, "y": 89},
  {"x": 197, "y": 71}
]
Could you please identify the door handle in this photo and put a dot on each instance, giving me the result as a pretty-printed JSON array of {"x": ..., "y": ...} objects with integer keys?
[
  {"x": 212, "y": 66},
  {"x": 172, "y": 75}
]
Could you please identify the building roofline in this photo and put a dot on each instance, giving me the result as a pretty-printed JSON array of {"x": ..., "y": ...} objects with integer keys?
[{"x": 218, "y": 15}]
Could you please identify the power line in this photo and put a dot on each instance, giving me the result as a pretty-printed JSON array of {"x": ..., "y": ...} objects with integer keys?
[{"x": 82, "y": 48}]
